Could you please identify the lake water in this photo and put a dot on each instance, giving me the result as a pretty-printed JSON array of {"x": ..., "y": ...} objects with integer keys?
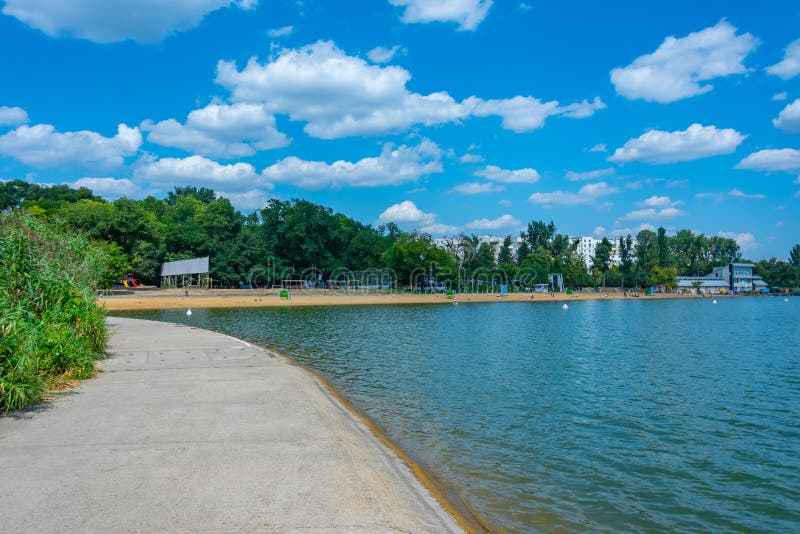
[{"x": 611, "y": 416}]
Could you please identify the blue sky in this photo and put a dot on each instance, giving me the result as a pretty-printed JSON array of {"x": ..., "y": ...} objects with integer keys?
[{"x": 440, "y": 115}]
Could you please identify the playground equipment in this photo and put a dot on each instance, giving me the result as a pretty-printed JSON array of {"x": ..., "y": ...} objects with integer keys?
[{"x": 128, "y": 280}]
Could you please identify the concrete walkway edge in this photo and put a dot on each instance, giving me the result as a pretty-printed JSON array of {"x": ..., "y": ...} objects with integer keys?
[{"x": 187, "y": 430}]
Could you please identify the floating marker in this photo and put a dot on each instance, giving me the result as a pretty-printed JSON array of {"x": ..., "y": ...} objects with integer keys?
[
  {"x": 188, "y": 312},
  {"x": 565, "y": 307},
  {"x": 785, "y": 300},
  {"x": 715, "y": 301}
]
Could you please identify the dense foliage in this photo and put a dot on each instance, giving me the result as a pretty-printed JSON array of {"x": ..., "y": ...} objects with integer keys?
[
  {"x": 50, "y": 328},
  {"x": 289, "y": 239}
]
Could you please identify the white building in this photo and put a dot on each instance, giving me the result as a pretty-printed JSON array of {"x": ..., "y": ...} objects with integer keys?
[{"x": 587, "y": 246}]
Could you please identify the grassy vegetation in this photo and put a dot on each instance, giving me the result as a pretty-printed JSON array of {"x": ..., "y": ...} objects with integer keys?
[{"x": 50, "y": 329}]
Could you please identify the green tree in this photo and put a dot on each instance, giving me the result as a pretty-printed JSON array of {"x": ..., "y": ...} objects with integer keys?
[
  {"x": 539, "y": 234},
  {"x": 662, "y": 243},
  {"x": 778, "y": 273},
  {"x": 485, "y": 256},
  {"x": 723, "y": 250},
  {"x": 505, "y": 255},
  {"x": 47, "y": 198},
  {"x": 414, "y": 257},
  {"x": 646, "y": 253},
  {"x": 602, "y": 258},
  {"x": 202, "y": 194},
  {"x": 666, "y": 277},
  {"x": 794, "y": 255},
  {"x": 626, "y": 258},
  {"x": 523, "y": 250}
]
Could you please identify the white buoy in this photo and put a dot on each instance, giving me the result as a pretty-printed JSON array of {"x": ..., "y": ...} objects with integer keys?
[
  {"x": 715, "y": 301},
  {"x": 785, "y": 300},
  {"x": 188, "y": 312},
  {"x": 565, "y": 307}
]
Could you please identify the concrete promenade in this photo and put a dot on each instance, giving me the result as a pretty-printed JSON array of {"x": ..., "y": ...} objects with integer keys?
[{"x": 187, "y": 430}]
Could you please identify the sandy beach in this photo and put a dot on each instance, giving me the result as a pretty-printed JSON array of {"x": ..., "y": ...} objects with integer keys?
[{"x": 245, "y": 298}]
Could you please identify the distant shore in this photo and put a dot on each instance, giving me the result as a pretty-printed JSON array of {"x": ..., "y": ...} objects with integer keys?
[{"x": 245, "y": 298}]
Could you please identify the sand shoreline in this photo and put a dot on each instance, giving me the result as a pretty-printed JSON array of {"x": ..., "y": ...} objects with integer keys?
[{"x": 164, "y": 299}]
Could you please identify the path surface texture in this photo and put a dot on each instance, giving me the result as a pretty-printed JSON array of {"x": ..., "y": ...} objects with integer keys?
[{"x": 187, "y": 430}]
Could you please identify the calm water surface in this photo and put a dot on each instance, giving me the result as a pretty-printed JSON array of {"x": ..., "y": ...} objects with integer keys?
[{"x": 634, "y": 416}]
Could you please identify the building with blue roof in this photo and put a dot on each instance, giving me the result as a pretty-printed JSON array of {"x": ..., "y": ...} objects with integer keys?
[{"x": 731, "y": 278}]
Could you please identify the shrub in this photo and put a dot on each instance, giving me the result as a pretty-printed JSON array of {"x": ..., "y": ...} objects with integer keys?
[{"x": 50, "y": 328}]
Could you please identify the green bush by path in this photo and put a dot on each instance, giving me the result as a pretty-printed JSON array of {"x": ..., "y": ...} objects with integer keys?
[{"x": 50, "y": 328}]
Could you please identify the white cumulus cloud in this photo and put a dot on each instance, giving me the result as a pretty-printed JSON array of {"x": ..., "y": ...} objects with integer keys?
[
  {"x": 526, "y": 113},
  {"x": 466, "y": 13},
  {"x": 253, "y": 199},
  {"x": 788, "y": 119},
  {"x": 745, "y": 240},
  {"x": 509, "y": 176},
  {"x": 772, "y": 160},
  {"x": 337, "y": 95},
  {"x": 406, "y": 213},
  {"x": 439, "y": 229},
  {"x": 583, "y": 109},
  {"x": 652, "y": 214},
  {"x": 198, "y": 171},
  {"x": 659, "y": 202},
  {"x": 108, "y": 21},
  {"x": 470, "y": 158},
  {"x": 789, "y": 66},
  {"x": 573, "y": 176},
  {"x": 42, "y": 146},
  {"x": 741, "y": 194},
  {"x": 695, "y": 142},
  {"x": 588, "y": 194},
  {"x": 620, "y": 232},
  {"x": 283, "y": 31},
  {"x": 220, "y": 130},
  {"x": 504, "y": 221},
  {"x": 599, "y": 147},
  {"x": 477, "y": 188},
  {"x": 655, "y": 208},
  {"x": 680, "y": 66},
  {"x": 392, "y": 166},
  {"x": 109, "y": 188},
  {"x": 12, "y": 116},
  {"x": 380, "y": 54}
]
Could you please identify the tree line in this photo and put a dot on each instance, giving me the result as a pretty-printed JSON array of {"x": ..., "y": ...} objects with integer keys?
[{"x": 289, "y": 238}]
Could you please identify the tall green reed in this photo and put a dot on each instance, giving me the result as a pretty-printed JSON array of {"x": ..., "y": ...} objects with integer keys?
[{"x": 50, "y": 328}]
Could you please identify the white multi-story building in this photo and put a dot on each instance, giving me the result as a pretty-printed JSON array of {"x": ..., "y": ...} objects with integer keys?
[{"x": 587, "y": 246}]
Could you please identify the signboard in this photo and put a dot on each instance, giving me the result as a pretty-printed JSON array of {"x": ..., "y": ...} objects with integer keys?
[{"x": 193, "y": 266}]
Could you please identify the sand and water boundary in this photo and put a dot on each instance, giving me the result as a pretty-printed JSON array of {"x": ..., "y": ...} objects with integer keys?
[
  {"x": 245, "y": 298},
  {"x": 185, "y": 430}
]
